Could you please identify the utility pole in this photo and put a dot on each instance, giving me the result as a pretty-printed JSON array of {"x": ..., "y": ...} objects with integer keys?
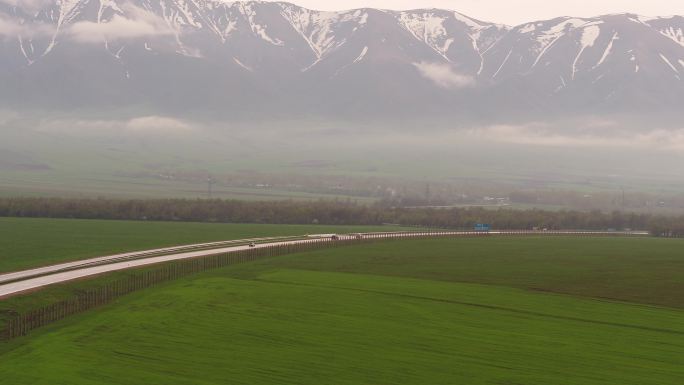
[{"x": 210, "y": 183}]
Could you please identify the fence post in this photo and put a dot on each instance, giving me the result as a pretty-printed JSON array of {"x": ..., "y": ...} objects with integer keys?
[{"x": 21, "y": 324}]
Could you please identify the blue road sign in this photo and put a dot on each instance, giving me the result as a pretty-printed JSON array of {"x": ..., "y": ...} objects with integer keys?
[{"x": 482, "y": 227}]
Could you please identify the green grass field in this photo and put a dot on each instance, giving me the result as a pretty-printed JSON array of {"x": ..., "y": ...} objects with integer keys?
[
  {"x": 26, "y": 242},
  {"x": 642, "y": 270},
  {"x": 458, "y": 311}
]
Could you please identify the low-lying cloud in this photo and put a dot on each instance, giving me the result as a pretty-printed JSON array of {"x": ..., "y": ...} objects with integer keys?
[
  {"x": 139, "y": 126},
  {"x": 7, "y": 116},
  {"x": 27, "y": 5},
  {"x": 444, "y": 75},
  {"x": 543, "y": 135},
  {"x": 11, "y": 28},
  {"x": 157, "y": 125},
  {"x": 137, "y": 23}
]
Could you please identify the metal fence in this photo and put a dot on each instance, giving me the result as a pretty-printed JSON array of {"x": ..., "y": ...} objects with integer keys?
[{"x": 21, "y": 324}]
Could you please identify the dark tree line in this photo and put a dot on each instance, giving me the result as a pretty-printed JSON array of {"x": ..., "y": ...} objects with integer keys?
[{"x": 333, "y": 213}]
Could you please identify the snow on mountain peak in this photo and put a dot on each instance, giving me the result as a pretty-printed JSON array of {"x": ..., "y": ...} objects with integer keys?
[
  {"x": 280, "y": 41},
  {"x": 429, "y": 28},
  {"x": 317, "y": 28},
  {"x": 589, "y": 36}
]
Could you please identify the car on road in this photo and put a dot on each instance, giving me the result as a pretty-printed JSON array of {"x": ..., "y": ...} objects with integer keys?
[{"x": 252, "y": 244}]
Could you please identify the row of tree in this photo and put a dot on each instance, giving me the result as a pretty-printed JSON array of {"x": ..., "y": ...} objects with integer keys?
[{"x": 333, "y": 213}]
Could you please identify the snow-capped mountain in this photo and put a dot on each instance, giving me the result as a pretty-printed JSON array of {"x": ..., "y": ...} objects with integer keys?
[
  {"x": 614, "y": 61},
  {"x": 246, "y": 59}
]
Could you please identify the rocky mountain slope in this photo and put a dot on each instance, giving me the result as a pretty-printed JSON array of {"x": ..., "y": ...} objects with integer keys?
[{"x": 254, "y": 59}]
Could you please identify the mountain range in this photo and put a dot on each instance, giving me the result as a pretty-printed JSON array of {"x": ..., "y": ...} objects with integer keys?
[{"x": 254, "y": 59}]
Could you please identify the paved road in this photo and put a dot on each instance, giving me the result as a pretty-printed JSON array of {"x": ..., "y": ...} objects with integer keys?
[
  {"x": 21, "y": 281},
  {"x": 20, "y": 275}
]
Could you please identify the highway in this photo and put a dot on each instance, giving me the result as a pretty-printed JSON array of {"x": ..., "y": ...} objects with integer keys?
[
  {"x": 27, "y": 280},
  {"x": 20, "y": 275}
]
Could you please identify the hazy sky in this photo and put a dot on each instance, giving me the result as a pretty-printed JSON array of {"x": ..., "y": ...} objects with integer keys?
[{"x": 514, "y": 11}]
